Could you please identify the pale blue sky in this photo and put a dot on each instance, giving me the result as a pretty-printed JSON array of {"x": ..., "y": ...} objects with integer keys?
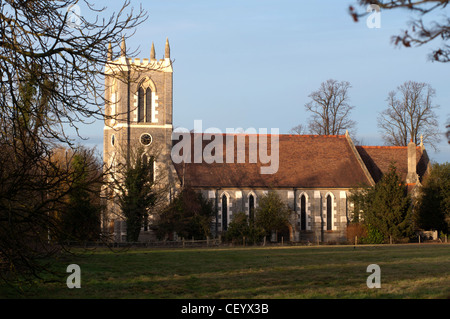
[{"x": 253, "y": 63}]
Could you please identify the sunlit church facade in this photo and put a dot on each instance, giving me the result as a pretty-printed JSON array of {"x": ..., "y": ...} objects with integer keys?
[{"x": 314, "y": 175}]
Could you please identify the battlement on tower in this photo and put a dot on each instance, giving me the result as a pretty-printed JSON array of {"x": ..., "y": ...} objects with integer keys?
[{"x": 124, "y": 63}]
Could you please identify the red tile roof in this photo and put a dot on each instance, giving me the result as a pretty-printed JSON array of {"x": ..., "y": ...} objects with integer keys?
[
  {"x": 305, "y": 161},
  {"x": 378, "y": 159}
]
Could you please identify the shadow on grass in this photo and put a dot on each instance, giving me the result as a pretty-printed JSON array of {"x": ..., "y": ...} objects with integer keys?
[{"x": 316, "y": 272}]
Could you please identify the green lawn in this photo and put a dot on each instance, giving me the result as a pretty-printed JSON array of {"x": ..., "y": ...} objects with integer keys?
[{"x": 407, "y": 271}]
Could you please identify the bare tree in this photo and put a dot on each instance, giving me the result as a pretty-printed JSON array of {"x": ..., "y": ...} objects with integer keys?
[
  {"x": 299, "y": 130},
  {"x": 410, "y": 115},
  {"x": 448, "y": 133},
  {"x": 65, "y": 60},
  {"x": 330, "y": 109},
  {"x": 51, "y": 73},
  {"x": 419, "y": 32},
  {"x": 79, "y": 215}
]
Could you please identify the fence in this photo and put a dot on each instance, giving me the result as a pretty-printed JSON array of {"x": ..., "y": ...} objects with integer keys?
[
  {"x": 216, "y": 242},
  {"x": 150, "y": 244}
]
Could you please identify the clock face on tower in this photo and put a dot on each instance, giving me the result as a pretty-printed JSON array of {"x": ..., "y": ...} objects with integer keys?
[{"x": 146, "y": 139}]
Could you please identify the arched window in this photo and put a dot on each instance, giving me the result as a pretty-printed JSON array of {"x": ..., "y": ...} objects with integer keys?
[
  {"x": 145, "y": 221},
  {"x": 251, "y": 207},
  {"x": 224, "y": 212},
  {"x": 329, "y": 212},
  {"x": 148, "y": 105},
  {"x": 303, "y": 212},
  {"x": 141, "y": 101},
  {"x": 150, "y": 165},
  {"x": 144, "y": 105}
]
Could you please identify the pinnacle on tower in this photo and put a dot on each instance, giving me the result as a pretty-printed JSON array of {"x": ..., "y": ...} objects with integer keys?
[
  {"x": 152, "y": 52},
  {"x": 123, "y": 48},
  {"x": 110, "y": 53},
  {"x": 167, "y": 53}
]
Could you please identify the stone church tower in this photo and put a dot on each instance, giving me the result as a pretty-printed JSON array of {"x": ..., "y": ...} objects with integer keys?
[{"x": 138, "y": 97}]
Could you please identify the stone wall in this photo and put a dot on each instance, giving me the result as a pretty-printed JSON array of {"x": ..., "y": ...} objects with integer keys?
[{"x": 316, "y": 211}]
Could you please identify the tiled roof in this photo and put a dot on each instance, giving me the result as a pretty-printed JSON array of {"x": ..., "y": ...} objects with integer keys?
[
  {"x": 305, "y": 161},
  {"x": 378, "y": 159}
]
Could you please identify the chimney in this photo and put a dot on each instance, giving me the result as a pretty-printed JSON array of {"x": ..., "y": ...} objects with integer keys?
[{"x": 412, "y": 176}]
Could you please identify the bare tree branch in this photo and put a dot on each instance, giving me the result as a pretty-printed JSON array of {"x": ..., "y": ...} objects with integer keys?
[{"x": 419, "y": 33}]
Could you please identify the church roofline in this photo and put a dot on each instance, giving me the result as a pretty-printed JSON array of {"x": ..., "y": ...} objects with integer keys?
[
  {"x": 386, "y": 147},
  {"x": 305, "y": 161},
  {"x": 359, "y": 159},
  {"x": 260, "y": 134}
]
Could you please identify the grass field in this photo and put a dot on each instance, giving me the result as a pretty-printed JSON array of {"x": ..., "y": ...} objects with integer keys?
[{"x": 407, "y": 271}]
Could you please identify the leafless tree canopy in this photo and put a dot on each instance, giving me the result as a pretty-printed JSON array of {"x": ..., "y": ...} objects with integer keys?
[
  {"x": 330, "y": 109},
  {"x": 419, "y": 32},
  {"x": 66, "y": 61},
  {"x": 51, "y": 76},
  {"x": 299, "y": 130},
  {"x": 410, "y": 115}
]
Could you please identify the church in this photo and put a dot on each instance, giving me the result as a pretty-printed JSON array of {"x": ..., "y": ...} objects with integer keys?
[{"x": 313, "y": 174}]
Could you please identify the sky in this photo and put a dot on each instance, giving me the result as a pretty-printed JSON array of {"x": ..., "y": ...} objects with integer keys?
[{"x": 253, "y": 63}]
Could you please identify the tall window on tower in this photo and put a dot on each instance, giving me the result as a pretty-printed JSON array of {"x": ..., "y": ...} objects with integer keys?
[
  {"x": 144, "y": 105},
  {"x": 148, "y": 105}
]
